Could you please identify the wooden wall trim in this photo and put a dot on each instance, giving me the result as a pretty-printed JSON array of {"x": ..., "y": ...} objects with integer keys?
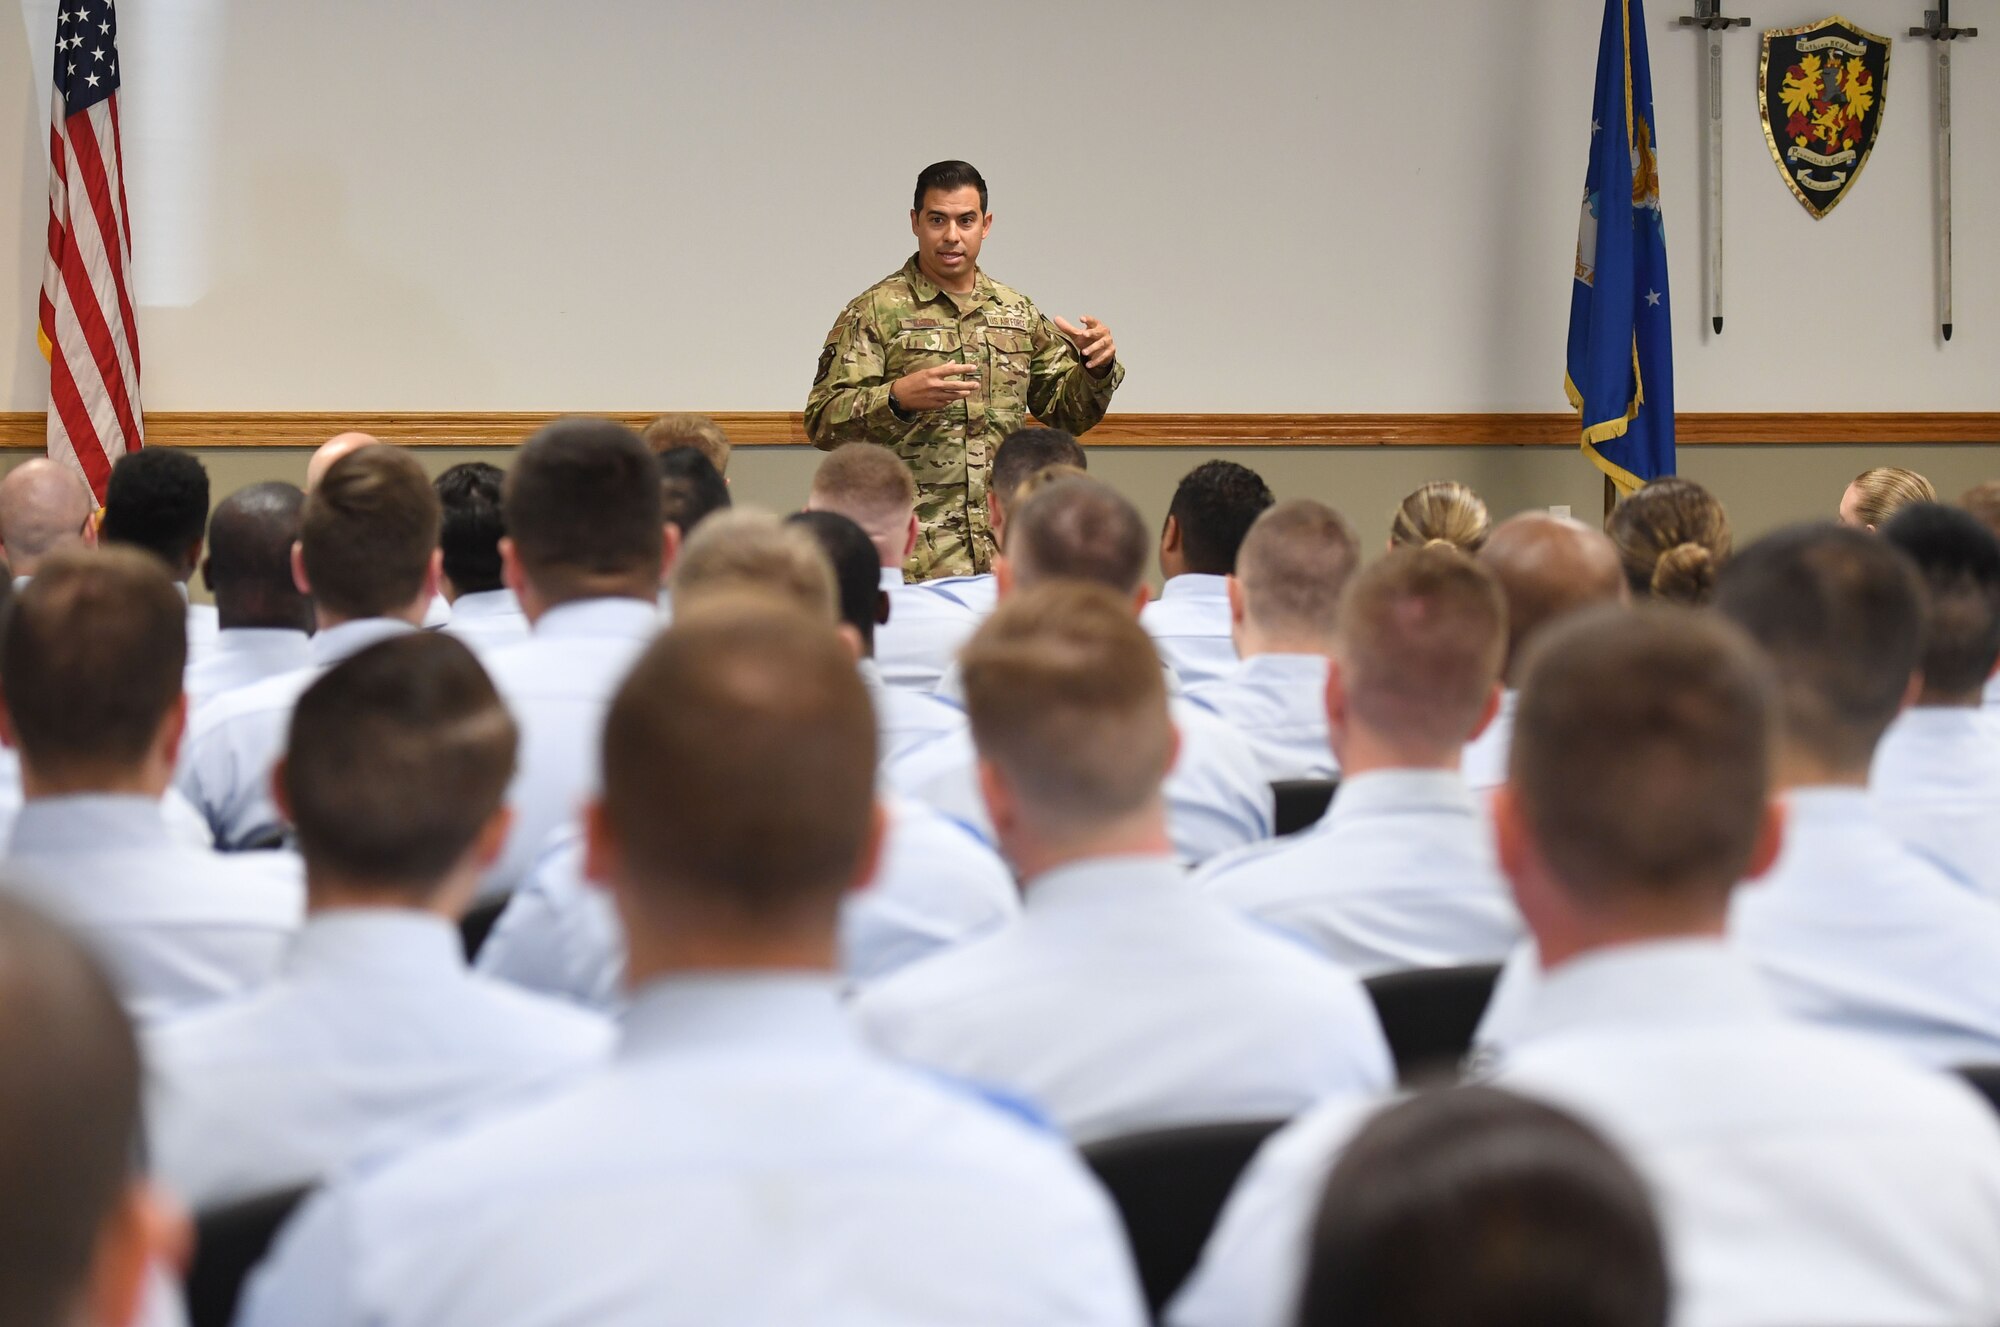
[{"x": 23, "y": 430}]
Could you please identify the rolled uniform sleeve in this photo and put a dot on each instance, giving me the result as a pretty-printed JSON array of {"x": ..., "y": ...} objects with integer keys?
[
  {"x": 1062, "y": 391},
  {"x": 849, "y": 401}
]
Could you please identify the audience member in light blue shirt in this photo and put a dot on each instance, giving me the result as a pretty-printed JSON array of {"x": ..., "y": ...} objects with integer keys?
[
  {"x": 1020, "y": 457},
  {"x": 374, "y": 1033},
  {"x": 744, "y": 1159},
  {"x": 1212, "y": 511},
  {"x": 483, "y": 612},
  {"x": 157, "y": 499},
  {"x": 263, "y": 616},
  {"x": 1400, "y": 874},
  {"x": 1283, "y": 598}
]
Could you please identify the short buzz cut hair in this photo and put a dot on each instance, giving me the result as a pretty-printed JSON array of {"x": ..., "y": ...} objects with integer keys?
[
  {"x": 69, "y": 1116},
  {"x": 1643, "y": 751},
  {"x": 1294, "y": 565},
  {"x": 866, "y": 481},
  {"x": 1025, "y": 451},
  {"x": 398, "y": 757},
  {"x": 947, "y": 176},
  {"x": 747, "y": 552},
  {"x": 1422, "y": 637},
  {"x": 739, "y": 765},
  {"x": 1215, "y": 505},
  {"x": 685, "y": 429},
  {"x": 691, "y": 489},
  {"x": 249, "y": 564},
  {"x": 1841, "y": 614},
  {"x": 106, "y": 624},
  {"x": 1065, "y": 694},
  {"x": 368, "y": 531},
  {"x": 469, "y": 494},
  {"x": 1959, "y": 560},
  {"x": 582, "y": 504},
  {"x": 1078, "y": 528},
  {"x": 157, "y": 499}
]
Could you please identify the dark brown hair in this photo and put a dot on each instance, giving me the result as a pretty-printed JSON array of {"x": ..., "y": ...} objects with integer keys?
[
  {"x": 582, "y": 505},
  {"x": 1077, "y": 528},
  {"x": 368, "y": 532},
  {"x": 1672, "y": 537}
]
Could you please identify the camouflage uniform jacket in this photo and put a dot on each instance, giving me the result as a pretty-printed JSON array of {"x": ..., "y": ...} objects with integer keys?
[{"x": 904, "y": 323}]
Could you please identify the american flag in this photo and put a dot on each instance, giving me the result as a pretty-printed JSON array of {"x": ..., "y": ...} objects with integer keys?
[{"x": 86, "y": 331}]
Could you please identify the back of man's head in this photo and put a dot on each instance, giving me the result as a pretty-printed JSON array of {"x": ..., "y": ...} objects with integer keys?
[
  {"x": 856, "y": 573},
  {"x": 1841, "y": 614},
  {"x": 249, "y": 563},
  {"x": 1959, "y": 560},
  {"x": 1214, "y": 508},
  {"x": 684, "y": 429},
  {"x": 469, "y": 494},
  {"x": 582, "y": 505},
  {"x": 1293, "y": 567},
  {"x": 753, "y": 553},
  {"x": 1641, "y": 762},
  {"x": 369, "y": 534},
  {"x": 691, "y": 489},
  {"x": 1077, "y": 529},
  {"x": 72, "y": 1243},
  {"x": 1024, "y": 451},
  {"x": 398, "y": 759},
  {"x": 1472, "y": 1207},
  {"x": 91, "y": 664},
  {"x": 1423, "y": 632},
  {"x": 739, "y": 771},
  {"x": 871, "y": 486},
  {"x": 44, "y": 506},
  {"x": 1068, "y": 702},
  {"x": 157, "y": 500},
  {"x": 1549, "y": 567},
  {"x": 335, "y": 447}
]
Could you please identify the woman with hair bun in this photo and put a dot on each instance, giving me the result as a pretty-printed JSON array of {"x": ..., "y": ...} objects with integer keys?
[
  {"x": 1443, "y": 511},
  {"x": 1672, "y": 537}
]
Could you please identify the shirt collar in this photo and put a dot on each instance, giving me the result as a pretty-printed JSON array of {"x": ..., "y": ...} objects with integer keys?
[
  {"x": 606, "y": 618},
  {"x": 380, "y": 942},
  {"x": 736, "y": 1011},
  {"x": 1694, "y": 979},
  {"x": 871, "y": 676},
  {"x": 1828, "y": 805},
  {"x": 96, "y": 822},
  {"x": 1107, "y": 882},
  {"x": 892, "y": 578},
  {"x": 485, "y": 603},
  {"x": 334, "y": 644},
  {"x": 1284, "y": 669},
  {"x": 1387, "y": 792},
  {"x": 927, "y": 290},
  {"x": 260, "y": 640},
  {"x": 1196, "y": 585}
]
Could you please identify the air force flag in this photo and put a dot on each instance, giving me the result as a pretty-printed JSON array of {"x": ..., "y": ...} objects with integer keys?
[{"x": 1621, "y": 348}]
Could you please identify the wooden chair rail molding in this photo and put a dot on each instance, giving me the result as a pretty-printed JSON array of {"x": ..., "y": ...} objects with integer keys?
[{"x": 24, "y": 430}]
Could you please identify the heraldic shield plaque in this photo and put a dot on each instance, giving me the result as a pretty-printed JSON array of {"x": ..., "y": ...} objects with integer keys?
[{"x": 1822, "y": 89}]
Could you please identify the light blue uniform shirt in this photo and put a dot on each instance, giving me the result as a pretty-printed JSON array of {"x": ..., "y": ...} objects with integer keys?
[
  {"x": 1936, "y": 786},
  {"x": 243, "y": 655},
  {"x": 1123, "y": 1001},
  {"x": 1278, "y": 701},
  {"x": 487, "y": 620},
  {"x": 204, "y": 624},
  {"x": 1189, "y": 624},
  {"x": 559, "y": 683},
  {"x": 977, "y": 594},
  {"x": 374, "y": 1034},
  {"x": 922, "y": 636},
  {"x": 1484, "y": 763},
  {"x": 1217, "y": 796},
  {"x": 1991, "y": 700},
  {"x": 234, "y": 741},
  {"x": 744, "y": 1161},
  {"x": 905, "y": 719},
  {"x": 177, "y": 927},
  {"x": 1802, "y": 1178},
  {"x": 1399, "y": 874}
]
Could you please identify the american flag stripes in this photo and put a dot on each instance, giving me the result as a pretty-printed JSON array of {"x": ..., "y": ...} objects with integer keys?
[{"x": 86, "y": 328}]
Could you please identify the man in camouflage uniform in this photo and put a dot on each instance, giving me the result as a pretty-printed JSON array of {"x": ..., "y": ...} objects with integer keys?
[{"x": 940, "y": 362}]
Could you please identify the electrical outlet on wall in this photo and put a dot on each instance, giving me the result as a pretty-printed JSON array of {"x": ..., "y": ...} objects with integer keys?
[{"x": 1561, "y": 510}]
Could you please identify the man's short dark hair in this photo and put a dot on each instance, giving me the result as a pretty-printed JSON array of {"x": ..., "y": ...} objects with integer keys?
[
  {"x": 1841, "y": 613},
  {"x": 1025, "y": 451},
  {"x": 470, "y": 536},
  {"x": 582, "y": 505},
  {"x": 1215, "y": 506},
  {"x": 104, "y": 624},
  {"x": 157, "y": 500},
  {"x": 368, "y": 532},
  {"x": 249, "y": 563},
  {"x": 69, "y": 1116},
  {"x": 1078, "y": 529},
  {"x": 399, "y": 755},
  {"x": 947, "y": 176},
  {"x": 691, "y": 489},
  {"x": 857, "y": 569},
  {"x": 1473, "y": 1207},
  {"x": 1959, "y": 560}
]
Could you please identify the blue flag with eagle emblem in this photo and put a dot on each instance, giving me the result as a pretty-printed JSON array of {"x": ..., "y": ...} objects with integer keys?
[{"x": 1621, "y": 343}]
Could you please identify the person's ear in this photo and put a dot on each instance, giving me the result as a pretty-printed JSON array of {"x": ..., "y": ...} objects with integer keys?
[
  {"x": 602, "y": 859},
  {"x": 851, "y": 639},
  {"x": 208, "y": 574},
  {"x": 1235, "y": 589},
  {"x": 1912, "y": 691},
  {"x": 144, "y": 1236},
  {"x": 299, "y": 578},
  {"x": 193, "y": 558},
  {"x": 1336, "y": 695},
  {"x": 910, "y": 533},
  {"x": 1141, "y": 597},
  {"x": 670, "y": 549},
  {"x": 492, "y": 838},
  {"x": 173, "y": 728},
  {"x": 1003, "y": 576},
  {"x": 913, "y": 224},
  {"x": 986, "y": 226},
  {"x": 873, "y": 849},
  {"x": 8, "y": 738},
  {"x": 882, "y": 608},
  {"x": 433, "y": 576},
  {"x": 1770, "y": 839},
  {"x": 281, "y": 793},
  {"x": 510, "y": 566},
  {"x": 997, "y": 793},
  {"x": 1174, "y": 746},
  {"x": 1170, "y": 536},
  {"x": 1487, "y": 712}
]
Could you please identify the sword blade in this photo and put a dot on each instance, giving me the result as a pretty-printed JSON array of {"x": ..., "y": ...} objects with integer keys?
[
  {"x": 1944, "y": 187},
  {"x": 1714, "y": 217}
]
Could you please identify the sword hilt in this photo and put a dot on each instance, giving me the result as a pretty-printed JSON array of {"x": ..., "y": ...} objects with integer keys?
[
  {"x": 1708, "y": 15},
  {"x": 1937, "y": 25}
]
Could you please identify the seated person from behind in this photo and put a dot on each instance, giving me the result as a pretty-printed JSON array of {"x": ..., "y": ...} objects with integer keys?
[
  {"x": 1673, "y": 538},
  {"x": 484, "y": 612},
  {"x": 691, "y": 491},
  {"x": 1878, "y": 494},
  {"x": 374, "y": 1033},
  {"x": 177, "y": 926},
  {"x": 45, "y": 507},
  {"x": 263, "y": 618},
  {"x": 157, "y": 499},
  {"x": 744, "y": 1159},
  {"x": 1212, "y": 510},
  {"x": 1122, "y": 1001},
  {"x": 1443, "y": 511},
  {"x": 1020, "y": 455},
  {"x": 1290, "y": 574},
  {"x": 683, "y": 429},
  {"x": 1400, "y": 874},
  {"x": 1983, "y": 501}
]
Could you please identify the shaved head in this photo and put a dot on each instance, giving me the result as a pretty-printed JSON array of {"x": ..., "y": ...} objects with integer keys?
[
  {"x": 44, "y": 507},
  {"x": 332, "y": 450},
  {"x": 1549, "y": 567}
]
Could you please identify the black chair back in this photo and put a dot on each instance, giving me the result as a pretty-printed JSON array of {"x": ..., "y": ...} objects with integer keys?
[
  {"x": 1985, "y": 1080},
  {"x": 479, "y": 921},
  {"x": 229, "y": 1243},
  {"x": 1301, "y": 802},
  {"x": 1169, "y": 1187},
  {"x": 1430, "y": 1014}
]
